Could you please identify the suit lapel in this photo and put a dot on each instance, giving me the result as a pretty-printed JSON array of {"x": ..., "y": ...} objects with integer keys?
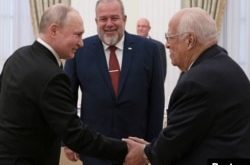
[
  {"x": 102, "y": 63},
  {"x": 128, "y": 54}
]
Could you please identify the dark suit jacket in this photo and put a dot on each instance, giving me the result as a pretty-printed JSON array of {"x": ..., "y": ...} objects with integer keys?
[
  {"x": 37, "y": 111},
  {"x": 138, "y": 109},
  {"x": 208, "y": 114},
  {"x": 163, "y": 56}
]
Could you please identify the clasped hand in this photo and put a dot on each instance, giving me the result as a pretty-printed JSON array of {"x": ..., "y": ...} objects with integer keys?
[{"x": 135, "y": 155}]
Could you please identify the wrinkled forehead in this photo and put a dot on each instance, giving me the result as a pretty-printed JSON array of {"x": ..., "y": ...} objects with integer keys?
[{"x": 108, "y": 8}]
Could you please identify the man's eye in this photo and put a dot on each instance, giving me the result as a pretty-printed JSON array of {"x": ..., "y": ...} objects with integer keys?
[
  {"x": 115, "y": 18},
  {"x": 103, "y": 19}
]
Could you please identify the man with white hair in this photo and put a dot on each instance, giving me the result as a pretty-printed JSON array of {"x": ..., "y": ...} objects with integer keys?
[{"x": 208, "y": 114}]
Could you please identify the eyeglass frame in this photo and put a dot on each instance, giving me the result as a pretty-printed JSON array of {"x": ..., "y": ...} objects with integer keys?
[{"x": 172, "y": 36}]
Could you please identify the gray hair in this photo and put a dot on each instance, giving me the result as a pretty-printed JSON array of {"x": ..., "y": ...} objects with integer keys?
[
  {"x": 200, "y": 22},
  {"x": 55, "y": 14},
  {"x": 105, "y": 1}
]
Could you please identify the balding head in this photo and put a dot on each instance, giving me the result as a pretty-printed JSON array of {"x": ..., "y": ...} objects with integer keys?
[
  {"x": 61, "y": 27},
  {"x": 143, "y": 27},
  {"x": 111, "y": 1},
  {"x": 56, "y": 14}
]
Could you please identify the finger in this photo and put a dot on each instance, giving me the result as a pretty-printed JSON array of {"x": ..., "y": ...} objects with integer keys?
[
  {"x": 139, "y": 140},
  {"x": 76, "y": 156},
  {"x": 129, "y": 142},
  {"x": 70, "y": 154}
]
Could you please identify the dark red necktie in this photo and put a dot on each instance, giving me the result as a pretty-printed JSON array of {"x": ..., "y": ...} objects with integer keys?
[{"x": 114, "y": 69}]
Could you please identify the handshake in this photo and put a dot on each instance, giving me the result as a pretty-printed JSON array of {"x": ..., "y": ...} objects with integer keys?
[{"x": 135, "y": 155}]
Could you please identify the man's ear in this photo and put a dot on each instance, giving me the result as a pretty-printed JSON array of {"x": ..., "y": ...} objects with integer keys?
[
  {"x": 191, "y": 40},
  {"x": 53, "y": 28},
  {"x": 125, "y": 18}
]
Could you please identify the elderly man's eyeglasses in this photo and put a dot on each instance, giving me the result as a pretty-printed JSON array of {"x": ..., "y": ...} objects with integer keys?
[{"x": 172, "y": 36}]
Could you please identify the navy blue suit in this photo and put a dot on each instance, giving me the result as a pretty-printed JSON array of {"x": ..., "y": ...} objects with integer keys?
[{"x": 139, "y": 107}]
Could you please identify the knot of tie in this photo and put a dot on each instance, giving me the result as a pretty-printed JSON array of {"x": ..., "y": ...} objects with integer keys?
[{"x": 112, "y": 48}]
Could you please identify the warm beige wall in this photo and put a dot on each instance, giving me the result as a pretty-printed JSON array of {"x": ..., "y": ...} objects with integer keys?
[{"x": 88, "y": 14}]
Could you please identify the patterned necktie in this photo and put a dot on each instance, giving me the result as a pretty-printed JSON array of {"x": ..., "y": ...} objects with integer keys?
[{"x": 114, "y": 69}]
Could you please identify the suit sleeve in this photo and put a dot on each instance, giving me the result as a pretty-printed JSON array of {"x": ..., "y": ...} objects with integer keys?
[
  {"x": 59, "y": 112},
  {"x": 156, "y": 97},
  {"x": 188, "y": 122},
  {"x": 70, "y": 70}
]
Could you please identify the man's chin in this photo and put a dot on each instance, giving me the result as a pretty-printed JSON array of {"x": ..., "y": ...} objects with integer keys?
[
  {"x": 70, "y": 56},
  {"x": 110, "y": 40}
]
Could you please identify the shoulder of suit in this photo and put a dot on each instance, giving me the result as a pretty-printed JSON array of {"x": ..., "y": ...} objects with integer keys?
[
  {"x": 156, "y": 41},
  {"x": 91, "y": 38}
]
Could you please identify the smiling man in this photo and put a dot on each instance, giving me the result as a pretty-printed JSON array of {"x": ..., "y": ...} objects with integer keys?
[{"x": 134, "y": 105}]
